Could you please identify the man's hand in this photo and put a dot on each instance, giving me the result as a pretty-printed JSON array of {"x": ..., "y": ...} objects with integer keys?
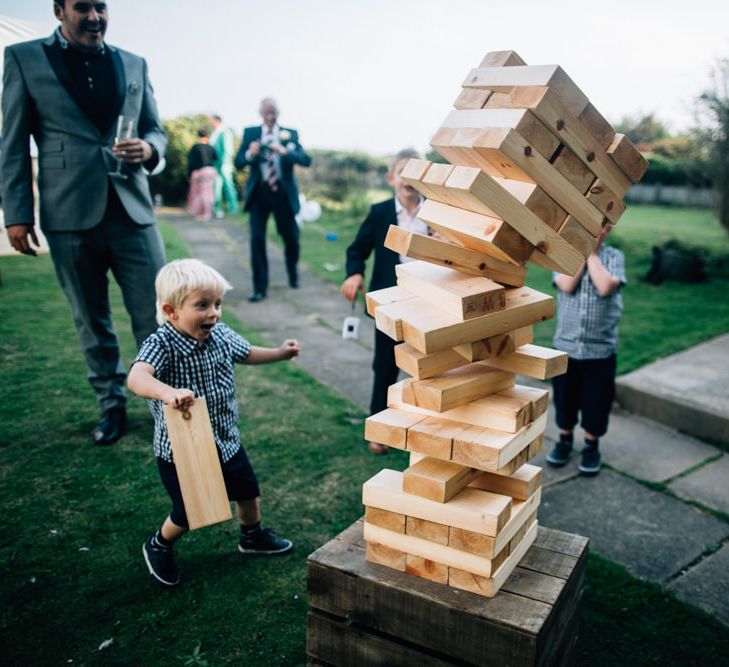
[
  {"x": 132, "y": 151},
  {"x": 278, "y": 148},
  {"x": 289, "y": 349},
  {"x": 18, "y": 237},
  {"x": 253, "y": 149},
  {"x": 351, "y": 286},
  {"x": 181, "y": 399}
]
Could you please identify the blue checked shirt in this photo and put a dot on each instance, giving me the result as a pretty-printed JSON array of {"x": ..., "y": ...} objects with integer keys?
[
  {"x": 205, "y": 367},
  {"x": 587, "y": 323}
]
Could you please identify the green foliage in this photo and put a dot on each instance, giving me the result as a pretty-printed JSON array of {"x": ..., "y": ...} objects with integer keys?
[
  {"x": 715, "y": 104},
  {"x": 642, "y": 128}
]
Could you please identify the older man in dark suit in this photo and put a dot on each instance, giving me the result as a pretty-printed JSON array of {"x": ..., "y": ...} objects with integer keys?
[
  {"x": 272, "y": 152},
  {"x": 68, "y": 91}
]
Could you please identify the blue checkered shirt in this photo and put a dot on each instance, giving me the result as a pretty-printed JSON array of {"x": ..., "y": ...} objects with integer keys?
[
  {"x": 205, "y": 367},
  {"x": 587, "y": 323}
]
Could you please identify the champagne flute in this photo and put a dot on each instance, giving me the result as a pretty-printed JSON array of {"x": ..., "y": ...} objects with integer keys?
[{"x": 124, "y": 130}]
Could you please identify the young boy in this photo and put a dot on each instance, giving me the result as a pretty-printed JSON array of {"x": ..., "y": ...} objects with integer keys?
[
  {"x": 589, "y": 306},
  {"x": 402, "y": 210},
  {"x": 192, "y": 354}
]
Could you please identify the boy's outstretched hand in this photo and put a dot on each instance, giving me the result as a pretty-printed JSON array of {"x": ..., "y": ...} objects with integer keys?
[
  {"x": 182, "y": 399},
  {"x": 289, "y": 349}
]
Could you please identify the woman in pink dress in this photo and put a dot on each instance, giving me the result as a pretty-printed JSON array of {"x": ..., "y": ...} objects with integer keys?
[{"x": 201, "y": 174}]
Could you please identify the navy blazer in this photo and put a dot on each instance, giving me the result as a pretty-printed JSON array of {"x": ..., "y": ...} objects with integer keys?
[
  {"x": 295, "y": 155},
  {"x": 371, "y": 236}
]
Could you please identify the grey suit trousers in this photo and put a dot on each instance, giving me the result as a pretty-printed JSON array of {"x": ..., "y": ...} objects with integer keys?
[{"x": 82, "y": 259}]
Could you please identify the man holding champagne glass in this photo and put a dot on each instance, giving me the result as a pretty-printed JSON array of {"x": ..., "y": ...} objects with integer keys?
[{"x": 71, "y": 92}]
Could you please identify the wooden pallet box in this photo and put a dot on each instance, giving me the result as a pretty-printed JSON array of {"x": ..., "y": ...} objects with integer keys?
[{"x": 362, "y": 613}]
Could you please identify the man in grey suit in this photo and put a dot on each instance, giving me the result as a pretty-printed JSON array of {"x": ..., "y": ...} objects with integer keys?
[{"x": 68, "y": 91}]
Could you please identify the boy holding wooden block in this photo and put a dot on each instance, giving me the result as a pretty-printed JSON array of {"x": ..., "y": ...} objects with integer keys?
[
  {"x": 401, "y": 210},
  {"x": 192, "y": 355},
  {"x": 589, "y": 306}
]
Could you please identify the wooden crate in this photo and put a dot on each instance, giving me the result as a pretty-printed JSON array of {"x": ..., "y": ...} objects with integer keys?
[{"x": 366, "y": 614}]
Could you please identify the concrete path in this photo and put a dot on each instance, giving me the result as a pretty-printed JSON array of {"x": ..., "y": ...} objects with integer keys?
[{"x": 650, "y": 508}]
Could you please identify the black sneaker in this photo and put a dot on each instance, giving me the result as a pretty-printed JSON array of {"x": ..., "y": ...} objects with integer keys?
[
  {"x": 264, "y": 541},
  {"x": 560, "y": 454},
  {"x": 590, "y": 463},
  {"x": 160, "y": 563}
]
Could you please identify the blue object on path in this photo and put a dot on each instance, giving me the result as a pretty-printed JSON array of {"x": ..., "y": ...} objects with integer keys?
[{"x": 331, "y": 236}]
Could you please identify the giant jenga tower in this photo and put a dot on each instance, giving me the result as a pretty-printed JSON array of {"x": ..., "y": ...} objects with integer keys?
[{"x": 535, "y": 173}]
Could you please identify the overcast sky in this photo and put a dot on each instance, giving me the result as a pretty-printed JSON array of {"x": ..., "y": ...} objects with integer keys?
[{"x": 378, "y": 75}]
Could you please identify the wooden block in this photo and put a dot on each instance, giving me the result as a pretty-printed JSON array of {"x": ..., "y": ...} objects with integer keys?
[
  {"x": 471, "y": 99},
  {"x": 461, "y": 295},
  {"x": 472, "y": 509},
  {"x": 505, "y": 79},
  {"x": 443, "y": 253},
  {"x": 501, "y": 59},
  {"x": 536, "y": 200},
  {"x": 430, "y": 330},
  {"x": 390, "y": 427},
  {"x": 576, "y": 235},
  {"x": 388, "y": 319},
  {"x": 434, "y": 437},
  {"x": 426, "y": 569},
  {"x": 422, "y": 366},
  {"x": 545, "y": 104},
  {"x": 520, "y": 485},
  {"x": 436, "y": 479},
  {"x": 456, "y": 387},
  {"x": 533, "y": 361},
  {"x": 478, "y": 191},
  {"x": 489, "y": 449},
  {"x": 486, "y": 586},
  {"x": 476, "y": 231},
  {"x": 382, "y": 297},
  {"x": 519, "y": 119},
  {"x": 197, "y": 463},
  {"x": 507, "y": 411},
  {"x": 605, "y": 201},
  {"x": 572, "y": 168},
  {"x": 496, "y": 346},
  {"x": 389, "y": 520},
  {"x": 427, "y": 530},
  {"x": 597, "y": 126},
  {"x": 415, "y": 457},
  {"x": 384, "y": 555},
  {"x": 483, "y": 546},
  {"x": 627, "y": 157}
]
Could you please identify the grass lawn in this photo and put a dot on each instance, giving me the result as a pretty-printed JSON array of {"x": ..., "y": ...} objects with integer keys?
[
  {"x": 657, "y": 321},
  {"x": 75, "y": 516}
]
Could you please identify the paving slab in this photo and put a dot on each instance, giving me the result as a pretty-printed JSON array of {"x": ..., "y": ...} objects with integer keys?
[
  {"x": 653, "y": 535},
  {"x": 687, "y": 391},
  {"x": 706, "y": 585},
  {"x": 709, "y": 485}
]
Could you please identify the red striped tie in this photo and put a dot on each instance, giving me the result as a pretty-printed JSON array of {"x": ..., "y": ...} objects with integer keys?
[{"x": 269, "y": 172}]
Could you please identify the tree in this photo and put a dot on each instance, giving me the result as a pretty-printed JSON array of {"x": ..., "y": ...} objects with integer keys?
[
  {"x": 642, "y": 129},
  {"x": 713, "y": 106}
]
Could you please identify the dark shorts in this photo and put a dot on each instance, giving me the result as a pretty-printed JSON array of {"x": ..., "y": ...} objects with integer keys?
[
  {"x": 240, "y": 483},
  {"x": 586, "y": 391}
]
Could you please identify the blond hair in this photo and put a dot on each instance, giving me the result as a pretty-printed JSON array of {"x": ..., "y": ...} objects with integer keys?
[{"x": 176, "y": 280}]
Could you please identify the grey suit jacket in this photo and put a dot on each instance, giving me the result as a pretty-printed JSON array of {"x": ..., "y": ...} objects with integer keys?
[{"x": 73, "y": 155}]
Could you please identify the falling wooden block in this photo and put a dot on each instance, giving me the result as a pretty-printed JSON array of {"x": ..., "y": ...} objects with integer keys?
[
  {"x": 443, "y": 253},
  {"x": 456, "y": 387},
  {"x": 567, "y": 163},
  {"x": 431, "y": 330},
  {"x": 426, "y": 569},
  {"x": 426, "y": 530},
  {"x": 502, "y": 59},
  {"x": 520, "y": 485},
  {"x": 382, "y": 297},
  {"x": 461, "y": 295},
  {"x": 488, "y": 587},
  {"x": 422, "y": 366},
  {"x": 437, "y": 480},
  {"x": 471, "y": 99},
  {"x": 472, "y": 509},
  {"x": 197, "y": 464},
  {"x": 489, "y": 449},
  {"x": 577, "y": 236},
  {"x": 627, "y": 157},
  {"x": 384, "y": 555},
  {"x": 496, "y": 346},
  {"x": 597, "y": 126},
  {"x": 533, "y": 361},
  {"x": 390, "y": 427},
  {"x": 478, "y": 232},
  {"x": 389, "y": 520},
  {"x": 507, "y": 411},
  {"x": 605, "y": 201}
]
